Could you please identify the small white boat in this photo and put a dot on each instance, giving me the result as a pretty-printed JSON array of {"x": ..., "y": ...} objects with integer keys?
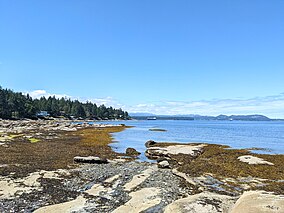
[{"x": 151, "y": 118}]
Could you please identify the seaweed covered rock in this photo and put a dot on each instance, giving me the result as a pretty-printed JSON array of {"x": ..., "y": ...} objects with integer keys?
[
  {"x": 132, "y": 152},
  {"x": 150, "y": 143}
]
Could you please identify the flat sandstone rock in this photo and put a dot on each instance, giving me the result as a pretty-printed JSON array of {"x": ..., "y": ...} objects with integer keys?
[
  {"x": 253, "y": 160},
  {"x": 205, "y": 202},
  {"x": 70, "y": 206},
  {"x": 259, "y": 202},
  {"x": 176, "y": 149},
  {"x": 140, "y": 201},
  {"x": 140, "y": 178}
]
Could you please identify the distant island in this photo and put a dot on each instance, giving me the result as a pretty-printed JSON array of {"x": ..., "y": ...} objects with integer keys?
[
  {"x": 16, "y": 105},
  {"x": 144, "y": 116}
]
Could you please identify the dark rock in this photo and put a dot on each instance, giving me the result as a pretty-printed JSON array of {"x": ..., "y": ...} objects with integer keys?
[
  {"x": 132, "y": 152},
  {"x": 158, "y": 130},
  {"x": 90, "y": 159},
  {"x": 153, "y": 153},
  {"x": 150, "y": 143}
]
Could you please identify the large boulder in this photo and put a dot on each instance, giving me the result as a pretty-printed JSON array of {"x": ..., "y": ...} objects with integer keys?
[
  {"x": 132, "y": 152},
  {"x": 150, "y": 143},
  {"x": 164, "y": 164},
  {"x": 169, "y": 151}
]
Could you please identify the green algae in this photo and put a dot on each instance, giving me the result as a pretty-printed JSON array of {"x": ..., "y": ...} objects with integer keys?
[
  {"x": 34, "y": 140},
  {"x": 14, "y": 136},
  {"x": 5, "y": 137}
]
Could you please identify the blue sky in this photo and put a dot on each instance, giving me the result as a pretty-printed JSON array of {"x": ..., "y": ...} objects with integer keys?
[{"x": 168, "y": 57}]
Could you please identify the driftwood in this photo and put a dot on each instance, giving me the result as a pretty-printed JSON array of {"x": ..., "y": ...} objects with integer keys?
[{"x": 90, "y": 159}]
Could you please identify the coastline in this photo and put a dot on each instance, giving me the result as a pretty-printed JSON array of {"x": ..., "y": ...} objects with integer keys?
[{"x": 38, "y": 162}]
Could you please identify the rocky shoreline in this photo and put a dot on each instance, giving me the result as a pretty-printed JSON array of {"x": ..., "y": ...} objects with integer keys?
[{"x": 38, "y": 173}]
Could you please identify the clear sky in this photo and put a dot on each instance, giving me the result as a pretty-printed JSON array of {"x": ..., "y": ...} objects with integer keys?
[{"x": 161, "y": 56}]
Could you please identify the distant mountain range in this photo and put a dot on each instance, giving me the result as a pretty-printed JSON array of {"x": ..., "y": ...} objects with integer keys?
[
  {"x": 144, "y": 116},
  {"x": 141, "y": 114}
]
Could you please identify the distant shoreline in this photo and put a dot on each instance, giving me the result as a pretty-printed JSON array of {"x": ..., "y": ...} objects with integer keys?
[{"x": 209, "y": 118}]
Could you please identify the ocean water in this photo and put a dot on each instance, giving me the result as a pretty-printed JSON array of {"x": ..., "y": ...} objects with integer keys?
[{"x": 237, "y": 134}]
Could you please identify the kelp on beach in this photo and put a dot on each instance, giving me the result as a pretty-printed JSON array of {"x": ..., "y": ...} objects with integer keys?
[
  {"x": 222, "y": 163},
  {"x": 21, "y": 155}
]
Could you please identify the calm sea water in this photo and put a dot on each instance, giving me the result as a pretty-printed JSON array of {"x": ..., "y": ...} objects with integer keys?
[{"x": 237, "y": 134}]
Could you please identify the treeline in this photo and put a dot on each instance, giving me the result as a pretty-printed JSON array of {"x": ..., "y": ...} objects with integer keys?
[{"x": 17, "y": 105}]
